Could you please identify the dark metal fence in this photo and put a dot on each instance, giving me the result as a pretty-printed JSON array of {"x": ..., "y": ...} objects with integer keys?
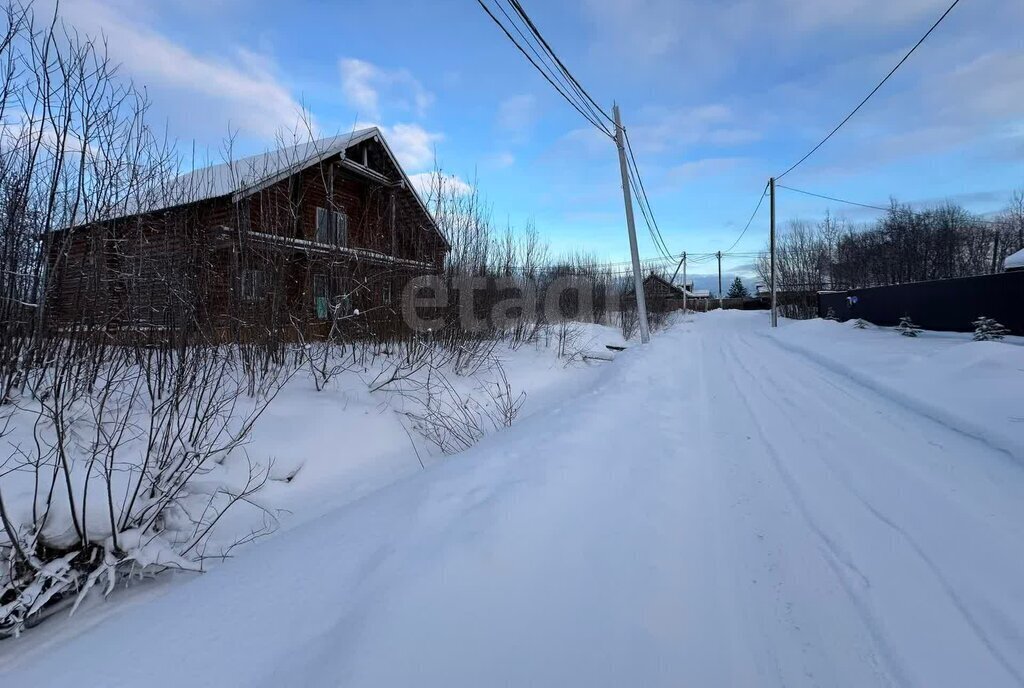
[{"x": 948, "y": 304}]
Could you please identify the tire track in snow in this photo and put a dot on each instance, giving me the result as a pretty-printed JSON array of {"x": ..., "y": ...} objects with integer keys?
[
  {"x": 806, "y": 390},
  {"x": 837, "y": 558}
]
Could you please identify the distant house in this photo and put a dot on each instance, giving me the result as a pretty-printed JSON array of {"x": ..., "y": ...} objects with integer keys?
[
  {"x": 1014, "y": 261},
  {"x": 287, "y": 239},
  {"x": 662, "y": 295}
]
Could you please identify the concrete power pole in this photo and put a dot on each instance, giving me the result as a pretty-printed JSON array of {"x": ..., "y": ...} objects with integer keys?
[
  {"x": 775, "y": 317},
  {"x": 638, "y": 284}
]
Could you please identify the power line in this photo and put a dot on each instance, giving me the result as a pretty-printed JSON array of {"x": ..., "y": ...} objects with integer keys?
[
  {"x": 832, "y": 198},
  {"x": 568, "y": 86},
  {"x": 865, "y": 205},
  {"x": 652, "y": 228},
  {"x": 752, "y": 216},
  {"x": 565, "y": 79},
  {"x": 873, "y": 91},
  {"x": 536, "y": 32},
  {"x": 590, "y": 118},
  {"x": 643, "y": 193}
]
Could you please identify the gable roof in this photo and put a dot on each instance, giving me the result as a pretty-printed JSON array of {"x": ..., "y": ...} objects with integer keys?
[
  {"x": 677, "y": 290},
  {"x": 246, "y": 176},
  {"x": 661, "y": 280}
]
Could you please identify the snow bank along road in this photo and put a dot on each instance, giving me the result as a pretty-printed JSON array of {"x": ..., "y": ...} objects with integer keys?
[{"x": 718, "y": 510}]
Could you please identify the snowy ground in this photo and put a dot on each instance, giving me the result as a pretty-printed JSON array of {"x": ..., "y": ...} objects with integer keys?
[{"x": 727, "y": 506}]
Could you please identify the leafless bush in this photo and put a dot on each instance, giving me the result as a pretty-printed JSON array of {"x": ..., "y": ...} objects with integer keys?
[
  {"x": 128, "y": 474},
  {"x": 906, "y": 245},
  {"x": 454, "y": 421}
]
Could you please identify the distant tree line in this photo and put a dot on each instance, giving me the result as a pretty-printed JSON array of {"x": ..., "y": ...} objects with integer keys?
[{"x": 905, "y": 245}]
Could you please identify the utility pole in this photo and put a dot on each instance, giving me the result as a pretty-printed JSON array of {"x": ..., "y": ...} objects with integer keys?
[
  {"x": 775, "y": 317},
  {"x": 684, "y": 284},
  {"x": 719, "y": 254},
  {"x": 678, "y": 268},
  {"x": 638, "y": 284}
]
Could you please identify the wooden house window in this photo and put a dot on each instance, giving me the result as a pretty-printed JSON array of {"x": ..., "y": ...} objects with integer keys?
[
  {"x": 330, "y": 297},
  {"x": 331, "y": 227},
  {"x": 254, "y": 284},
  {"x": 320, "y": 299}
]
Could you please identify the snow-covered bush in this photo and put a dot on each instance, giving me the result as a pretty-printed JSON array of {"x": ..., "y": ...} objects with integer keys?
[
  {"x": 861, "y": 324},
  {"x": 126, "y": 475},
  {"x": 907, "y": 328},
  {"x": 987, "y": 330},
  {"x": 831, "y": 315}
]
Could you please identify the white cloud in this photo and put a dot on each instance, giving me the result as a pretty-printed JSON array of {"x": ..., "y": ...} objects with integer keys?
[
  {"x": 427, "y": 182},
  {"x": 585, "y": 140},
  {"x": 661, "y": 129},
  {"x": 644, "y": 28},
  {"x": 501, "y": 160},
  {"x": 239, "y": 88},
  {"x": 704, "y": 168},
  {"x": 412, "y": 144},
  {"x": 818, "y": 14},
  {"x": 365, "y": 84},
  {"x": 517, "y": 115}
]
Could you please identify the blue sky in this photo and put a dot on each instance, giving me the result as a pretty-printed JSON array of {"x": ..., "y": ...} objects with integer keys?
[{"x": 717, "y": 95}]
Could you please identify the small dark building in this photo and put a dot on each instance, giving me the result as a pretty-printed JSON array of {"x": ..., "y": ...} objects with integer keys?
[{"x": 662, "y": 295}]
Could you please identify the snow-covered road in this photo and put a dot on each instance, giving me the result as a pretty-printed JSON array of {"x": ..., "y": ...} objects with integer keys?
[{"x": 717, "y": 510}]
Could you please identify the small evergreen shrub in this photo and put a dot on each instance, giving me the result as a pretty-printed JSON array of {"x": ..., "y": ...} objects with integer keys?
[
  {"x": 831, "y": 315},
  {"x": 861, "y": 324},
  {"x": 988, "y": 330},
  {"x": 907, "y": 328}
]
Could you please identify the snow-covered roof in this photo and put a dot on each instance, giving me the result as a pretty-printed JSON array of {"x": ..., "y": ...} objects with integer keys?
[
  {"x": 699, "y": 293},
  {"x": 248, "y": 175},
  {"x": 1014, "y": 261}
]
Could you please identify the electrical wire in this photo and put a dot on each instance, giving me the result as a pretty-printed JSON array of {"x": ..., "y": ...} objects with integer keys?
[
  {"x": 566, "y": 81},
  {"x": 873, "y": 91},
  {"x": 517, "y": 6},
  {"x": 832, "y": 198},
  {"x": 551, "y": 67},
  {"x": 752, "y": 216},
  {"x": 863, "y": 205},
  {"x": 568, "y": 99},
  {"x": 643, "y": 192}
]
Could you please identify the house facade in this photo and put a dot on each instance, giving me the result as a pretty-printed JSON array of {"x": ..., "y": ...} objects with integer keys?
[
  {"x": 662, "y": 295},
  {"x": 297, "y": 240}
]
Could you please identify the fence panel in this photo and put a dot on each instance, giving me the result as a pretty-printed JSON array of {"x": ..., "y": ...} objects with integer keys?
[{"x": 949, "y": 304}]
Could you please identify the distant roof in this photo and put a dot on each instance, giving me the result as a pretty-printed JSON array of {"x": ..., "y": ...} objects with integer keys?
[
  {"x": 1014, "y": 261},
  {"x": 239, "y": 176},
  {"x": 658, "y": 278},
  {"x": 693, "y": 293}
]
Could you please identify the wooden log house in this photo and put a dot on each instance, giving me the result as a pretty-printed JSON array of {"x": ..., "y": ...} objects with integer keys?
[{"x": 289, "y": 241}]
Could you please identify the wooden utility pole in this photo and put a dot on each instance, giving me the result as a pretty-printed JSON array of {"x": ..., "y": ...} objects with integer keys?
[
  {"x": 685, "y": 286},
  {"x": 775, "y": 317},
  {"x": 638, "y": 284},
  {"x": 995, "y": 253},
  {"x": 719, "y": 254}
]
